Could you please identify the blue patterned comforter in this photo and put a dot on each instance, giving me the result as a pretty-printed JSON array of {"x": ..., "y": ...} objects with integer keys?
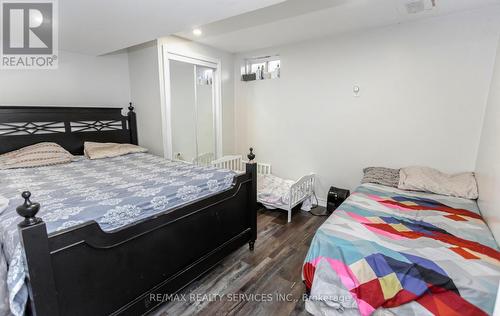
[{"x": 114, "y": 192}]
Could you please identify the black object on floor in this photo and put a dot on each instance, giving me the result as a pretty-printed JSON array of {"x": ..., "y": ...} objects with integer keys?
[{"x": 336, "y": 197}]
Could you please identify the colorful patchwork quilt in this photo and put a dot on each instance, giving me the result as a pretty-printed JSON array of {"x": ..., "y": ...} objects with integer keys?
[{"x": 391, "y": 252}]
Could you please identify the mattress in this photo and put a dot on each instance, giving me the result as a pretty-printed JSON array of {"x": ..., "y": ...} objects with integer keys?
[
  {"x": 272, "y": 191},
  {"x": 393, "y": 252},
  {"x": 114, "y": 192}
]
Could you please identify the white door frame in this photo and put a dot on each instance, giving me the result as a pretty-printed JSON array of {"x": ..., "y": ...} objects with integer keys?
[{"x": 167, "y": 54}]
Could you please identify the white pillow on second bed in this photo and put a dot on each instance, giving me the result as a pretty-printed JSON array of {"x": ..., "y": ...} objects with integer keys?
[{"x": 431, "y": 180}]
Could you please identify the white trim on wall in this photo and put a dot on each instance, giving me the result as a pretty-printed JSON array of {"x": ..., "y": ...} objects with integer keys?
[
  {"x": 164, "y": 107},
  {"x": 166, "y": 54}
]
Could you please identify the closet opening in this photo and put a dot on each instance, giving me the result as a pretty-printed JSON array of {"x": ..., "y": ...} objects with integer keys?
[{"x": 192, "y": 107}]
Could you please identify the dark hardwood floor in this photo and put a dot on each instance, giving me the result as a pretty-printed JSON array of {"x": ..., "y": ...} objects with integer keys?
[{"x": 266, "y": 281}]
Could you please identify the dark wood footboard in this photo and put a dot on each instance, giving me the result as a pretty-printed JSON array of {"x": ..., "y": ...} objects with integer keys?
[{"x": 85, "y": 271}]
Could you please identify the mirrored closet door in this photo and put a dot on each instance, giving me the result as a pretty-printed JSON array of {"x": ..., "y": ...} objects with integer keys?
[
  {"x": 192, "y": 111},
  {"x": 205, "y": 115}
]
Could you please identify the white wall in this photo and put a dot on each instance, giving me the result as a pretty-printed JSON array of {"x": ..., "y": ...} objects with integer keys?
[
  {"x": 81, "y": 80},
  {"x": 145, "y": 94},
  {"x": 488, "y": 159},
  {"x": 424, "y": 87}
]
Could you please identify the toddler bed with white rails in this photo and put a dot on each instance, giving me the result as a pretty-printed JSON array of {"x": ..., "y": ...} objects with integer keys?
[{"x": 273, "y": 192}]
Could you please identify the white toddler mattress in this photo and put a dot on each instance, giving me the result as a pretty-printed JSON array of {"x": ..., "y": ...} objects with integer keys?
[{"x": 272, "y": 191}]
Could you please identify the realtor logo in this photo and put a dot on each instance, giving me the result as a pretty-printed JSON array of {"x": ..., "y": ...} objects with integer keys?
[{"x": 29, "y": 34}]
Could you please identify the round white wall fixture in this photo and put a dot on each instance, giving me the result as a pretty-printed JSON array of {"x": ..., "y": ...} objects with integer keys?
[{"x": 356, "y": 90}]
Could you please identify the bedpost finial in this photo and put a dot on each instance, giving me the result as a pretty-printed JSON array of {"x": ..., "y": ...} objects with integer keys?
[
  {"x": 28, "y": 210},
  {"x": 130, "y": 107},
  {"x": 26, "y": 195},
  {"x": 251, "y": 155}
]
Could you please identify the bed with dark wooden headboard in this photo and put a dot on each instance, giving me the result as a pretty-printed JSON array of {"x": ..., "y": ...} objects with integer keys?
[
  {"x": 151, "y": 253},
  {"x": 70, "y": 127}
]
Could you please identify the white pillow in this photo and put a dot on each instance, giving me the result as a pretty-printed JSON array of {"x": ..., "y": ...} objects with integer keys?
[
  {"x": 108, "y": 150},
  {"x": 431, "y": 180}
]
